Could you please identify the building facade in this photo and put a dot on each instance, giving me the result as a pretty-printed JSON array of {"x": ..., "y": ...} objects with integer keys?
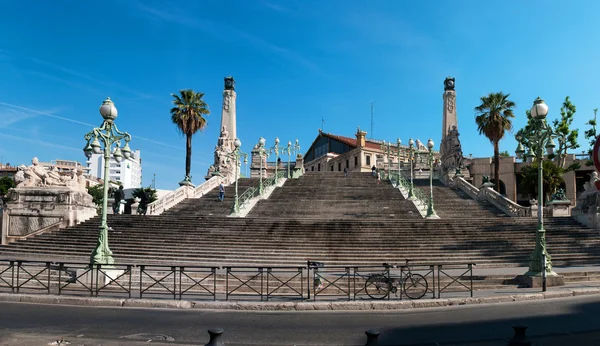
[
  {"x": 330, "y": 152},
  {"x": 127, "y": 172},
  {"x": 510, "y": 177}
]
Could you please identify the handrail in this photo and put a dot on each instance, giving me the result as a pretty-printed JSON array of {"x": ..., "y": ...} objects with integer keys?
[
  {"x": 467, "y": 188},
  {"x": 247, "y": 195},
  {"x": 272, "y": 180},
  {"x": 173, "y": 198},
  {"x": 203, "y": 188},
  {"x": 492, "y": 196},
  {"x": 506, "y": 205}
]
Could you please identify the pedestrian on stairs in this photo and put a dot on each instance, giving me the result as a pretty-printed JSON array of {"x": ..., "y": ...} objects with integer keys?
[
  {"x": 378, "y": 176},
  {"x": 221, "y": 191},
  {"x": 345, "y": 171},
  {"x": 373, "y": 170}
]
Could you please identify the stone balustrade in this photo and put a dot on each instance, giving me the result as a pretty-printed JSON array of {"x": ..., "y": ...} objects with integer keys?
[
  {"x": 171, "y": 199},
  {"x": 492, "y": 196}
]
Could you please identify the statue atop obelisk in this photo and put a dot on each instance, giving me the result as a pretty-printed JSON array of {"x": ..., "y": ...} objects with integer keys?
[
  {"x": 450, "y": 147},
  {"x": 222, "y": 165}
]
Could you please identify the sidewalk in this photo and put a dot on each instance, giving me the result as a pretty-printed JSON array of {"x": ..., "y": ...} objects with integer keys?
[{"x": 491, "y": 296}]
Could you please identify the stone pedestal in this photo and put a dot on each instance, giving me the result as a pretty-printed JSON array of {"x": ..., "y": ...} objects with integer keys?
[
  {"x": 536, "y": 281},
  {"x": 559, "y": 208},
  {"x": 34, "y": 210}
]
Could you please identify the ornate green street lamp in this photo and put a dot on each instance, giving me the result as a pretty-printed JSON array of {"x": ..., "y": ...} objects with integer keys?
[
  {"x": 385, "y": 147},
  {"x": 398, "y": 158},
  {"x": 262, "y": 153},
  {"x": 411, "y": 194},
  {"x": 275, "y": 149},
  {"x": 235, "y": 156},
  {"x": 101, "y": 140},
  {"x": 539, "y": 137},
  {"x": 430, "y": 211},
  {"x": 291, "y": 149}
]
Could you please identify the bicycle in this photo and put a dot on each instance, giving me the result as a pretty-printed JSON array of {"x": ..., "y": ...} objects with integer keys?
[{"x": 379, "y": 285}]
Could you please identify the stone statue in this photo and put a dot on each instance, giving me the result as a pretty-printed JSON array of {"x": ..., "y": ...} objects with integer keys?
[
  {"x": 453, "y": 156},
  {"x": 591, "y": 185},
  {"x": 36, "y": 175},
  {"x": 223, "y": 137},
  {"x": 53, "y": 178}
]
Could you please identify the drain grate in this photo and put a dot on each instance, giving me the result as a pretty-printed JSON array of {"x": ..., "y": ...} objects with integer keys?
[{"x": 148, "y": 337}]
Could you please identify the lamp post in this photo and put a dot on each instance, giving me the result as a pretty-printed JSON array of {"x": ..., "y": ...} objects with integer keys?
[
  {"x": 275, "y": 149},
  {"x": 101, "y": 140},
  {"x": 291, "y": 149},
  {"x": 398, "y": 159},
  {"x": 411, "y": 194},
  {"x": 430, "y": 211},
  {"x": 385, "y": 147},
  {"x": 539, "y": 137},
  {"x": 262, "y": 152},
  {"x": 235, "y": 155}
]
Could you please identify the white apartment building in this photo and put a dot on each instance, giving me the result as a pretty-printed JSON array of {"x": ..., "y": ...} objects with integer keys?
[{"x": 127, "y": 172}]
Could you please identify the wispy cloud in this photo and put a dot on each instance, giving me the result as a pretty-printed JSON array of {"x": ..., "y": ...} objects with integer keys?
[
  {"x": 382, "y": 29},
  {"x": 37, "y": 141},
  {"x": 20, "y": 113},
  {"x": 225, "y": 32},
  {"x": 274, "y": 6},
  {"x": 10, "y": 116},
  {"x": 8, "y": 57},
  {"x": 36, "y": 112}
]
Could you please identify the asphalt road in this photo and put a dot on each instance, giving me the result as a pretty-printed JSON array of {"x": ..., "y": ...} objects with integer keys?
[{"x": 29, "y": 324}]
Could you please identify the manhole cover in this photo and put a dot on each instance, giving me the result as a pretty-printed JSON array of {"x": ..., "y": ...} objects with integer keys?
[{"x": 148, "y": 337}]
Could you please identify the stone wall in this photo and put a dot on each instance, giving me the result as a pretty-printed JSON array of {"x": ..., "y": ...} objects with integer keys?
[{"x": 33, "y": 210}]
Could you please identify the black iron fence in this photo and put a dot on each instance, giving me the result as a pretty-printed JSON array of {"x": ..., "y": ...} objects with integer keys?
[{"x": 315, "y": 281}]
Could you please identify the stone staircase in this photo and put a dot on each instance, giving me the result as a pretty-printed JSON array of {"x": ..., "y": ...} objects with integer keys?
[
  {"x": 326, "y": 217},
  {"x": 209, "y": 204},
  {"x": 330, "y": 195},
  {"x": 454, "y": 203}
]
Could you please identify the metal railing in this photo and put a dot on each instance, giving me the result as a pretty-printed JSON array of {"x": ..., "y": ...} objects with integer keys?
[
  {"x": 264, "y": 282},
  {"x": 272, "y": 180},
  {"x": 245, "y": 197},
  {"x": 315, "y": 281}
]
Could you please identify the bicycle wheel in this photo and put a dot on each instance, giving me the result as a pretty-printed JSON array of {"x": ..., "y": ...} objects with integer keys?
[
  {"x": 377, "y": 286},
  {"x": 415, "y": 286}
]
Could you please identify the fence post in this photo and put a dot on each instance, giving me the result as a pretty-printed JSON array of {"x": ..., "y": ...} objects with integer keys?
[
  {"x": 372, "y": 336},
  {"x": 519, "y": 339},
  {"x": 215, "y": 337}
]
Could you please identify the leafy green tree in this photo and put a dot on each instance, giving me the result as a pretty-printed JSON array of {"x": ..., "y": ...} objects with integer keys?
[
  {"x": 567, "y": 137},
  {"x": 590, "y": 135},
  {"x": 97, "y": 192},
  {"x": 552, "y": 175},
  {"x": 494, "y": 117},
  {"x": 188, "y": 115},
  {"x": 6, "y": 183},
  {"x": 150, "y": 192},
  {"x": 504, "y": 153}
]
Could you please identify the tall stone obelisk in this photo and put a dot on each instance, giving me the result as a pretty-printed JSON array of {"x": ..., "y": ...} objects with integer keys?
[
  {"x": 450, "y": 147},
  {"x": 222, "y": 166},
  {"x": 449, "y": 112},
  {"x": 228, "y": 110}
]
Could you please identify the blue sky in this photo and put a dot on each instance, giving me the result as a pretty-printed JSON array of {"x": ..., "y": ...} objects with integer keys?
[{"x": 295, "y": 62}]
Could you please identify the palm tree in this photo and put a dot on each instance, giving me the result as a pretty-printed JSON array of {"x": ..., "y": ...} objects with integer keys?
[
  {"x": 188, "y": 114},
  {"x": 493, "y": 118}
]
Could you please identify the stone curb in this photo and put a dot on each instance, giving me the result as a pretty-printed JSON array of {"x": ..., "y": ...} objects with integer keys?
[{"x": 289, "y": 306}]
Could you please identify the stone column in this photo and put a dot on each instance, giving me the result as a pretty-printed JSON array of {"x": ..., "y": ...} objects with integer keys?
[
  {"x": 449, "y": 112},
  {"x": 225, "y": 143}
]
